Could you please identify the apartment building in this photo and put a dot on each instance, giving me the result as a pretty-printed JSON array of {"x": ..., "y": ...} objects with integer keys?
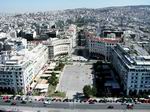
[
  {"x": 132, "y": 63},
  {"x": 101, "y": 46},
  {"x": 58, "y": 47},
  {"x": 18, "y": 68}
]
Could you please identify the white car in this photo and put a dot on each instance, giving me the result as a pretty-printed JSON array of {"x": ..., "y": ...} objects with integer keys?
[{"x": 47, "y": 102}]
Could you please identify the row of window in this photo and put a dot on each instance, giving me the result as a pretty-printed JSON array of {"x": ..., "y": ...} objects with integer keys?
[
  {"x": 142, "y": 73},
  {"x": 141, "y": 82},
  {"x": 10, "y": 76},
  {"x": 135, "y": 86},
  {"x": 142, "y": 70},
  {"x": 10, "y": 68}
]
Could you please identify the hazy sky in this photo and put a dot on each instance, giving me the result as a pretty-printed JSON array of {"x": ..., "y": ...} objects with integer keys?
[{"x": 46, "y": 5}]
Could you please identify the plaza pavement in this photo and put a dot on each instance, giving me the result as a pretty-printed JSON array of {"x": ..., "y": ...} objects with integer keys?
[{"x": 74, "y": 77}]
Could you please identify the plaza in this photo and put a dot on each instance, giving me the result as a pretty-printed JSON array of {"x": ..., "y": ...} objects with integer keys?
[{"x": 74, "y": 78}]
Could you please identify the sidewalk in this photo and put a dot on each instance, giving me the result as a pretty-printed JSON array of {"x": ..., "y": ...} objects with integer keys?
[{"x": 60, "y": 78}]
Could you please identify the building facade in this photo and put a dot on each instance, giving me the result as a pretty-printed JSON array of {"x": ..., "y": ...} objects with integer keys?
[
  {"x": 99, "y": 46},
  {"x": 58, "y": 47},
  {"x": 133, "y": 66},
  {"x": 18, "y": 68}
]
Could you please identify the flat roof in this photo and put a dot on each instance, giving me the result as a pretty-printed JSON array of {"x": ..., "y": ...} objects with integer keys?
[{"x": 41, "y": 86}]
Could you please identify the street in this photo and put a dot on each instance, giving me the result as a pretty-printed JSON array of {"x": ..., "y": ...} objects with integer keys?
[
  {"x": 75, "y": 105},
  {"x": 46, "y": 109}
]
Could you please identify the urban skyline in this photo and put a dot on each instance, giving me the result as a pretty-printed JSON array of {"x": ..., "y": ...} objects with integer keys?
[{"x": 21, "y": 6}]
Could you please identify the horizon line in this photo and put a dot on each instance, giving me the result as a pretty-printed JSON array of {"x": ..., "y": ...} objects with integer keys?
[{"x": 49, "y": 10}]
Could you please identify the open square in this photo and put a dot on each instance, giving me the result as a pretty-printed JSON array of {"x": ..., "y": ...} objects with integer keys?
[{"x": 74, "y": 78}]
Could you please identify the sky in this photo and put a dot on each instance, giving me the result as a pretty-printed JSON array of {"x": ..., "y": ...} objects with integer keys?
[{"x": 13, "y": 6}]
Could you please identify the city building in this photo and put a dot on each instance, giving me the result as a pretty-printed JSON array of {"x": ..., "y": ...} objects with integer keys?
[
  {"x": 18, "y": 68},
  {"x": 57, "y": 47},
  {"x": 132, "y": 63},
  {"x": 63, "y": 43},
  {"x": 100, "y": 47}
]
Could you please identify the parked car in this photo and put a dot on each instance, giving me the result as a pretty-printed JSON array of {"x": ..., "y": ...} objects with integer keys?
[
  {"x": 23, "y": 102},
  {"x": 13, "y": 103},
  {"x": 41, "y": 99},
  {"x": 65, "y": 100},
  {"x": 58, "y": 100},
  {"x": 54, "y": 99},
  {"x": 7, "y": 101},
  {"x": 47, "y": 102},
  {"x": 91, "y": 102},
  {"x": 94, "y": 100}
]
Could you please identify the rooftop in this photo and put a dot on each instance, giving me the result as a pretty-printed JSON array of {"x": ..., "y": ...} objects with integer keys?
[{"x": 133, "y": 55}]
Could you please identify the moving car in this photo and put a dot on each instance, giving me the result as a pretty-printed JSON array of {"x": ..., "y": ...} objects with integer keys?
[
  {"x": 130, "y": 106},
  {"x": 110, "y": 107}
]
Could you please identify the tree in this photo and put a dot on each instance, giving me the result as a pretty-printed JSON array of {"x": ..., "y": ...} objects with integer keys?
[
  {"x": 87, "y": 91},
  {"x": 98, "y": 66},
  {"x": 94, "y": 91},
  {"x": 60, "y": 23},
  {"x": 53, "y": 80},
  {"x": 69, "y": 21}
]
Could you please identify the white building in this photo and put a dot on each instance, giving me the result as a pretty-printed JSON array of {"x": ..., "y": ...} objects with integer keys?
[
  {"x": 99, "y": 46},
  {"x": 58, "y": 47},
  {"x": 63, "y": 44},
  {"x": 133, "y": 65},
  {"x": 72, "y": 34},
  {"x": 18, "y": 68}
]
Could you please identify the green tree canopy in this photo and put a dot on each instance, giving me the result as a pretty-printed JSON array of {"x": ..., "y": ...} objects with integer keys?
[
  {"x": 53, "y": 80},
  {"x": 89, "y": 91}
]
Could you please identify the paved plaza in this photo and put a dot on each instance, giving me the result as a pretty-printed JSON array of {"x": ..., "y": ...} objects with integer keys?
[{"x": 74, "y": 77}]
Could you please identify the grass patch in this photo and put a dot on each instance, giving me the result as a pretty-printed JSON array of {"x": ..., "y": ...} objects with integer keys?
[
  {"x": 52, "y": 93},
  {"x": 51, "y": 90},
  {"x": 59, "y": 94}
]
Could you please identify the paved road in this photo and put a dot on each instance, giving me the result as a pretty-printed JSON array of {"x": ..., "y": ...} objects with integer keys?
[
  {"x": 46, "y": 109},
  {"x": 76, "y": 105},
  {"x": 74, "y": 78}
]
